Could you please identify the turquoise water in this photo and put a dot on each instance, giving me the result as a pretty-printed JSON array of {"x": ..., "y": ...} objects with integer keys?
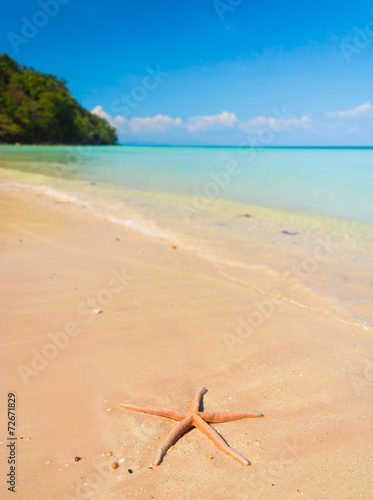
[
  {"x": 332, "y": 182},
  {"x": 258, "y": 216}
]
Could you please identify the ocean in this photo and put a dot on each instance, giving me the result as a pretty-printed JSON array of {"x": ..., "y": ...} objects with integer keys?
[{"x": 294, "y": 223}]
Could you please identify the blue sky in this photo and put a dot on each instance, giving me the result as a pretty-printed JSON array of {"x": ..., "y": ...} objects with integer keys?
[{"x": 207, "y": 72}]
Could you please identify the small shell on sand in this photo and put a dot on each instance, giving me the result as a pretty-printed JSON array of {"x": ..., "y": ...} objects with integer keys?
[
  {"x": 114, "y": 465},
  {"x": 97, "y": 311}
]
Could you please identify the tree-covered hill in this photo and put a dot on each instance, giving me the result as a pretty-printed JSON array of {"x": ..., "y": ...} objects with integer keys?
[{"x": 36, "y": 108}]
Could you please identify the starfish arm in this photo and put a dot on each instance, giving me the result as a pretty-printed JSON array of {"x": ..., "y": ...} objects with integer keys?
[
  {"x": 155, "y": 410},
  {"x": 225, "y": 416},
  {"x": 194, "y": 406},
  {"x": 211, "y": 433},
  {"x": 173, "y": 436}
]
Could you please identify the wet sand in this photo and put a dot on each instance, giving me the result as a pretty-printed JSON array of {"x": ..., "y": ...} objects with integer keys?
[{"x": 171, "y": 323}]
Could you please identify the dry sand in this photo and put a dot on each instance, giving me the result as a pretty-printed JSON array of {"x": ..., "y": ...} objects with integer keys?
[{"x": 160, "y": 338}]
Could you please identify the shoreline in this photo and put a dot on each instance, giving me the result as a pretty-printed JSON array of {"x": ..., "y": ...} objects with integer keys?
[
  {"x": 312, "y": 258},
  {"x": 188, "y": 146},
  {"x": 265, "y": 178},
  {"x": 173, "y": 324}
]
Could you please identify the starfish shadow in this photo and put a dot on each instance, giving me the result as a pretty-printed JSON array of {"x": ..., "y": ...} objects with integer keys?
[{"x": 195, "y": 417}]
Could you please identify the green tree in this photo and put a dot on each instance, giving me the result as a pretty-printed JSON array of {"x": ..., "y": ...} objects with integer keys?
[{"x": 38, "y": 108}]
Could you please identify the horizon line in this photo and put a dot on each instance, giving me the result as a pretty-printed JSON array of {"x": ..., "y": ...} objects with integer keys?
[
  {"x": 191, "y": 146},
  {"x": 241, "y": 147}
]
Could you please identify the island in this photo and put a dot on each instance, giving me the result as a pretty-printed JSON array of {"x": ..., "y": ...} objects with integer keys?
[{"x": 38, "y": 108}]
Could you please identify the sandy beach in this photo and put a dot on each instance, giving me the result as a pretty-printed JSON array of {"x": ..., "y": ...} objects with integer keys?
[
  {"x": 170, "y": 324},
  {"x": 186, "y": 210}
]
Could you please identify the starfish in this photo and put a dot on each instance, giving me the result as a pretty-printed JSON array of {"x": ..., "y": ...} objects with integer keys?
[{"x": 195, "y": 418}]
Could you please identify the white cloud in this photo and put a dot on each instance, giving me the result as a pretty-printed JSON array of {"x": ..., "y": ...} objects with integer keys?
[
  {"x": 274, "y": 124},
  {"x": 161, "y": 123},
  {"x": 155, "y": 124},
  {"x": 119, "y": 119},
  {"x": 359, "y": 110},
  {"x": 211, "y": 121},
  {"x": 99, "y": 111}
]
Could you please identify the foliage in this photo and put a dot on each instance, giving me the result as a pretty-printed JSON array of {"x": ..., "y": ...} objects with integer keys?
[{"x": 38, "y": 108}]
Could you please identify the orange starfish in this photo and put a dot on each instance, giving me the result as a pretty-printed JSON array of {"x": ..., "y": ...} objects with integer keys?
[{"x": 195, "y": 418}]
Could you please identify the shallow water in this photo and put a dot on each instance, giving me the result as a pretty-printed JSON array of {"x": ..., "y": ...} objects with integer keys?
[
  {"x": 334, "y": 182},
  {"x": 295, "y": 224}
]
